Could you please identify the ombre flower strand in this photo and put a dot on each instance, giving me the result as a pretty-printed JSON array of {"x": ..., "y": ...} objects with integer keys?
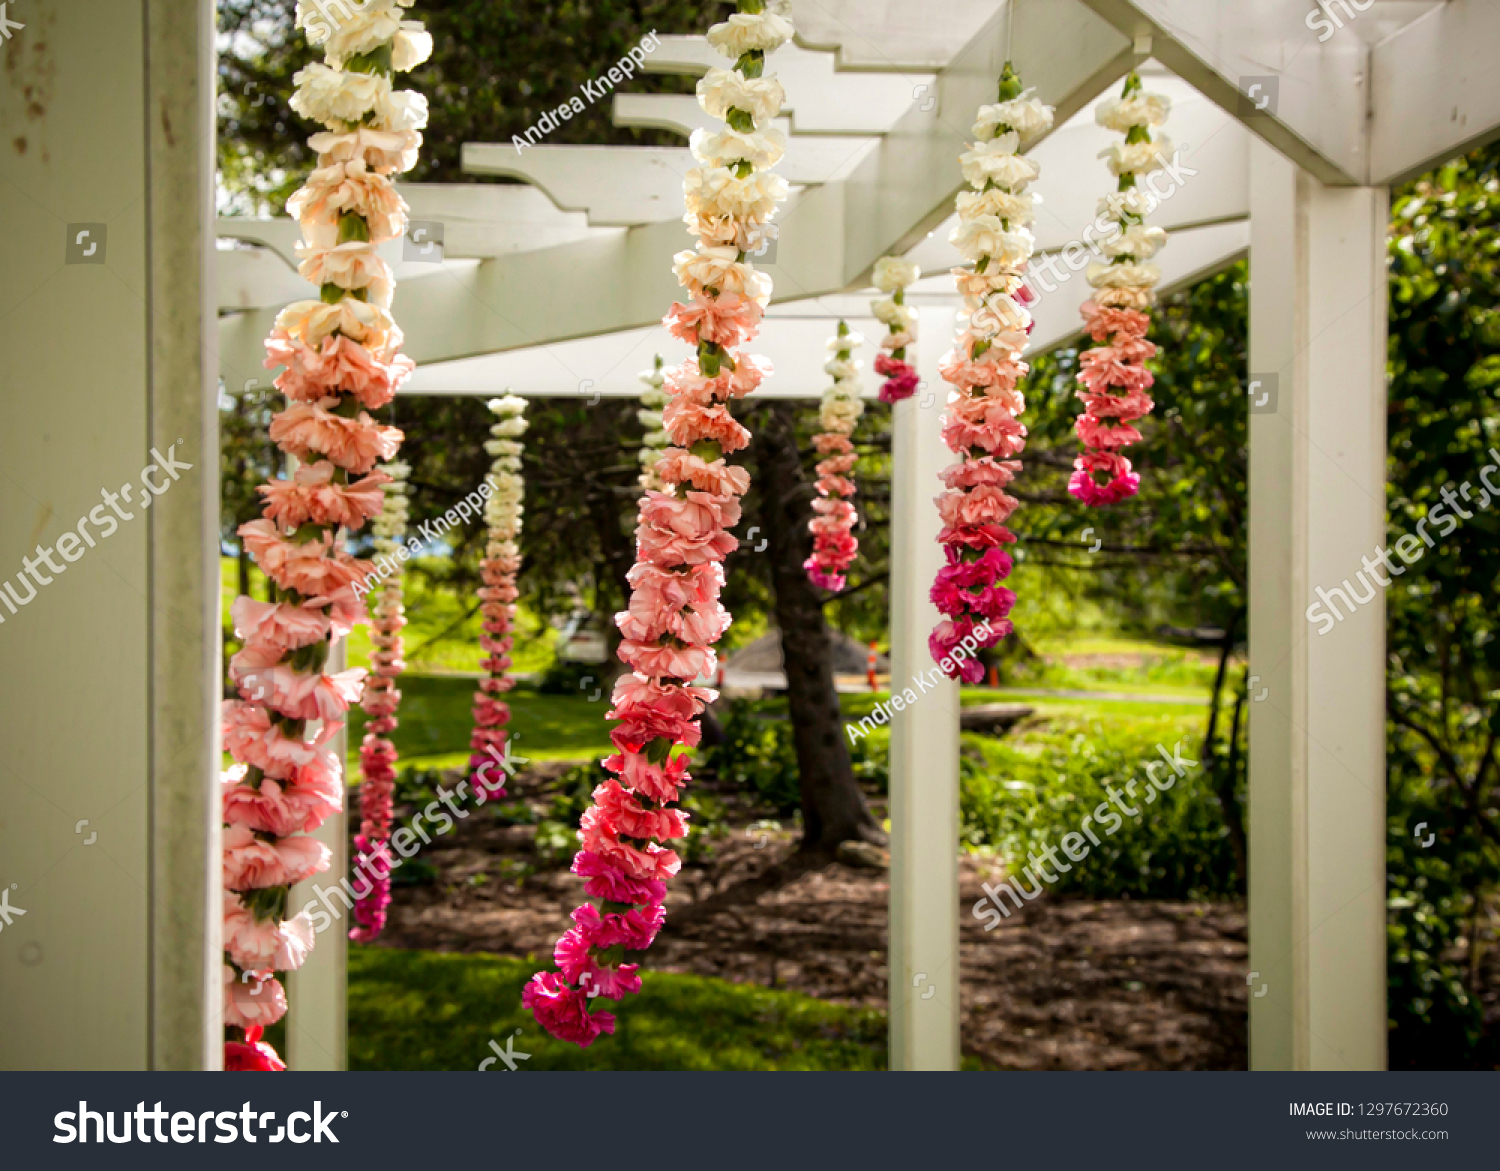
[
  {"x": 498, "y": 593},
  {"x": 341, "y": 356},
  {"x": 982, "y": 424},
  {"x": 1113, "y": 375},
  {"x": 892, "y": 275},
  {"x": 674, "y": 618},
  {"x": 377, "y": 753},
  {"x": 656, "y": 440},
  {"x": 834, "y": 543}
]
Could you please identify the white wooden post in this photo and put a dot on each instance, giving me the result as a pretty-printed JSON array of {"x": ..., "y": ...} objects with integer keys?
[
  {"x": 1317, "y": 508},
  {"x": 924, "y": 960},
  {"x": 109, "y": 675}
]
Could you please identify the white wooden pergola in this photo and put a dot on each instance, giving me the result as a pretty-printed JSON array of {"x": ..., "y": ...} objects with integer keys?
[{"x": 556, "y": 287}]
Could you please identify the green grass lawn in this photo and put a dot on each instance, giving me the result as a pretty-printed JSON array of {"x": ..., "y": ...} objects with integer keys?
[
  {"x": 442, "y": 632},
  {"x": 435, "y": 723},
  {"x": 435, "y": 719},
  {"x": 417, "y": 1010}
]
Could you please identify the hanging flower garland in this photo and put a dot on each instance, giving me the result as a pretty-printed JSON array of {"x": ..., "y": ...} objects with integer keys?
[
  {"x": 674, "y": 616},
  {"x": 498, "y": 594},
  {"x": 1113, "y": 374},
  {"x": 377, "y": 753},
  {"x": 342, "y": 361},
  {"x": 656, "y": 441},
  {"x": 982, "y": 426},
  {"x": 893, "y": 275},
  {"x": 834, "y": 543}
]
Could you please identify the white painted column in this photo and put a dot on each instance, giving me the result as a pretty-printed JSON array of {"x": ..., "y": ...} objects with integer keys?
[
  {"x": 924, "y": 959},
  {"x": 1317, "y": 508},
  {"x": 109, "y": 674}
]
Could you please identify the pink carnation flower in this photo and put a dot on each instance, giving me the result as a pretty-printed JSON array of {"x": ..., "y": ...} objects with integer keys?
[
  {"x": 563, "y": 1011},
  {"x": 1121, "y": 483}
]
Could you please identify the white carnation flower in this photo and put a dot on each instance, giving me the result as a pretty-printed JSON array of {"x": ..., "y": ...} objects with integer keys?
[
  {"x": 1142, "y": 241},
  {"x": 841, "y": 369},
  {"x": 896, "y": 317},
  {"x": 1135, "y": 201},
  {"x": 760, "y": 149},
  {"x": 1139, "y": 109},
  {"x": 987, "y": 236},
  {"x": 1137, "y": 158},
  {"x": 510, "y": 404},
  {"x": 1123, "y": 276},
  {"x": 403, "y": 109},
  {"x": 410, "y": 47},
  {"x": 748, "y": 32},
  {"x": 849, "y": 341},
  {"x": 511, "y": 427},
  {"x": 1018, "y": 210},
  {"x": 1025, "y": 115},
  {"x": 722, "y": 90},
  {"x": 997, "y": 161},
  {"x": 839, "y": 414},
  {"x": 333, "y": 97},
  {"x": 894, "y": 272},
  {"x": 717, "y": 193},
  {"x": 718, "y": 268}
]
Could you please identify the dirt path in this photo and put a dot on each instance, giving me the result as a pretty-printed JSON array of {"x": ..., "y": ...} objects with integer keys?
[{"x": 1065, "y": 984}]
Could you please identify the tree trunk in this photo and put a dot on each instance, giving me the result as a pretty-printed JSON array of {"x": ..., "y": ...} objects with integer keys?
[
  {"x": 833, "y": 808},
  {"x": 1223, "y": 777},
  {"x": 243, "y": 561}
]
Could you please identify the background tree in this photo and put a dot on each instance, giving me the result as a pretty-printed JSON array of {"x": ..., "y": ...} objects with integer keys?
[{"x": 1443, "y": 682}]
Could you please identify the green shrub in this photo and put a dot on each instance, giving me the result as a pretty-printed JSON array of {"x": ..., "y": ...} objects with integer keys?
[
  {"x": 1433, "y": 888},
  {"x": 1016, "y": 798},
  {"x": 760, "y": 753}
]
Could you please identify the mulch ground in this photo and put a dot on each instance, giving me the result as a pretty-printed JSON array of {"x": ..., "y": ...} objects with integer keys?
[{"x": 1065, "y": 984}]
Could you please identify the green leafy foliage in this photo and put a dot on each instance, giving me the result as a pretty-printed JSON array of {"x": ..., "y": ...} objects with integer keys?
[
  {"x": 1442, "y": 621},
  {"x": 1017, "y": 798},
  {"x": 758, "y": 753}
]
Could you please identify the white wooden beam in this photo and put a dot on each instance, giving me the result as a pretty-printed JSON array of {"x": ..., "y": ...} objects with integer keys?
[
  {"x": 831, "y": 235},
  {"x": 1317, "y": 507},
  {"x": 794, "y": 336},
  {"x": 1317, "y": 114},
  {"x": 479, "y": 220},
  {"x": 1434, "y": 91},
  {"x": 819, "y": 98},
  {"x": 924, "y": 955},
  {"x": 885, "y": 35},
  {"x": 626, "y": 185}
]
